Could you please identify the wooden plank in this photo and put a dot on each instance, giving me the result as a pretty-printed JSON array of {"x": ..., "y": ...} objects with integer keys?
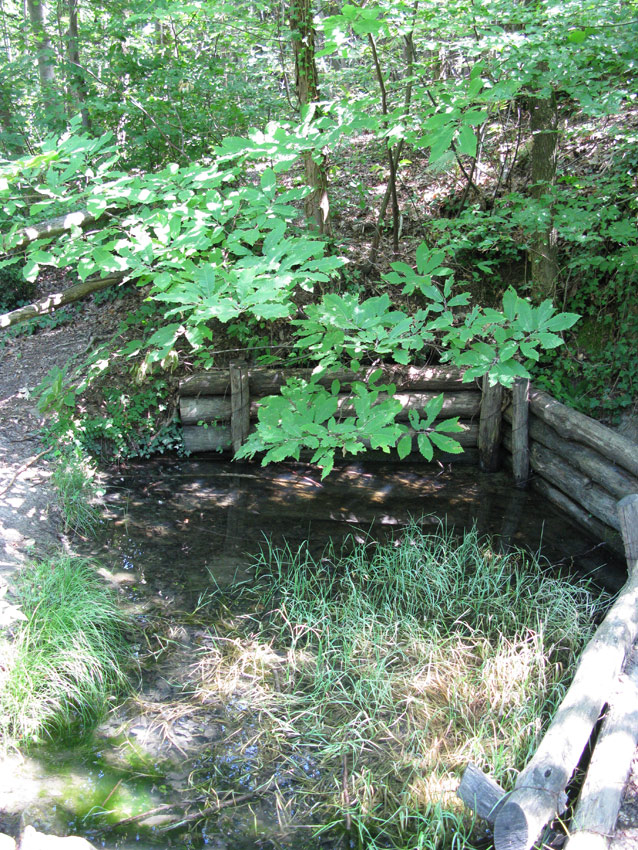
[
  {"x": 520, "y": 431},
  {"x": 588, "y": 461},
  {"x": 266, "y": 381},
  {"x": 601, "y": 796},
  {"x": 539, "y": 794},
  {"x": 576, "y": 426},
  {"x": 628, "y": 519},
  {"x": 489, "y": 441},
  {"x": 239, "y": 404},
  {"x": 218, "y": 408}
]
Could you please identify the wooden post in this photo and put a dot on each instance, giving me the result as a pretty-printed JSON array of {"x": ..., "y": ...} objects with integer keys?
[
  {"x": 490, "y": 426},
  {"x": 539, "y": 794},
  {"x": 520, "y": 431},
  {"x": 239, "y": 404}
]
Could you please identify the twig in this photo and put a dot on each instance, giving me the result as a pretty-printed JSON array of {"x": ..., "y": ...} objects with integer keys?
[
  {"x": 217, "y": 807},
  {"x": 24, "y": 466}
]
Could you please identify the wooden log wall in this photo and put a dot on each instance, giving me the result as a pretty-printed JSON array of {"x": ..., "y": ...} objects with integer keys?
[
  {"x": 579, "y": 464},
  {"x": 218, "y": 407}
]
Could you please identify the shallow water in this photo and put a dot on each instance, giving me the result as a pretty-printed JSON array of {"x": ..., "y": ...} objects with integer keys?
[{"x": 171, "y": 529}]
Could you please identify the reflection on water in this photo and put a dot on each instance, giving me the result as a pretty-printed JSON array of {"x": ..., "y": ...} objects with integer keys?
[{"x": 171, "y": 525}]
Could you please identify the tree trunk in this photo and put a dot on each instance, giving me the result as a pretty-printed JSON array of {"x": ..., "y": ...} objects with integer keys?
[
  {"x": 77, "y": 83},
  {"x": 45, "y": 58},
  {"x": 543, "y": 250},
  {"x": 316, "y": 204}
]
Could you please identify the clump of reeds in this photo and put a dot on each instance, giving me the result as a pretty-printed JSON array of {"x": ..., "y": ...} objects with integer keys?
[
  {"x": 387, "y": 667},
  {"x": 67, "y": 658}
]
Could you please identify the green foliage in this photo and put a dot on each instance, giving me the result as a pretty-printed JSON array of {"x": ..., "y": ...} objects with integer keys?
[
  {"x": 78, "y": 492},
  {"x": 67, "y": 660},
  {"x": 14, "y": 290}
]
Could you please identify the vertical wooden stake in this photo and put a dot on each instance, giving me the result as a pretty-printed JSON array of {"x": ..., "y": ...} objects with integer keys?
[
  {"x": 489, "y": 440},
  {"x": 520, "y": 431},
  {"x": 239, "y": 404}
]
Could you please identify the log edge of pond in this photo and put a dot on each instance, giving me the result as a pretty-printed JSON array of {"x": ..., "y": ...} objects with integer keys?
[{"x": 539, "y": 793}]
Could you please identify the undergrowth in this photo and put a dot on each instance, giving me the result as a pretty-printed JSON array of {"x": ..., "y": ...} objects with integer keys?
[
  {"x": 380, "y": 671},
  {"x": 67, "y": 659}
]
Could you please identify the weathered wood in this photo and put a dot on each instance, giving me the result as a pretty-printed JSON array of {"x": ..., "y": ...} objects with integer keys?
[
  {"x": 266, "y": 381},
  {"x": 628, "y": 519},
  {"x": 202, "y": 439},
  {"x": 199, "y": 438},
  {"x": 239, "y": 404},
  {"x": 579, "y": 487},
  {"x": 520, "y": 431},
  {"x": 576, "y": 426},
  {"x": 49, "y": 229},
  {"x": 491, "y": 416},
  {"x": 591, "y": 463},
  {"x": 600, "y": 798},
  {"x": 539, "y": 793},
  {"x": 581, "y": 517},
  {"x": 218, "y": 408},
  {"x": 480, "y": 793},
  {"x": 57, "y": 299}
]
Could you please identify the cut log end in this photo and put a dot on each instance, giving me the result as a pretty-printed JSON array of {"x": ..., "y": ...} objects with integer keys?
[{"x": 512, "y": 830}]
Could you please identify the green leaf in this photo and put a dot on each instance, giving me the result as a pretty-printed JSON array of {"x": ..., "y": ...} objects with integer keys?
[
  {"x": 268, "y": 181},
  {"x": 425, "y": 446},
  {"x": 466, "y": 141},
  {"x": 446, "y": 444},
  {"x": 404, "y": 446},
  {"x": 562, "y": 321}
]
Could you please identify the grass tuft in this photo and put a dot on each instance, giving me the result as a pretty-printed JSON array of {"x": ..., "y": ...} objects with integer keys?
[
  {"x": 387, "y": 667},
  {"x": 66, "y": 659},
  {"x": 78, "y": 494}
]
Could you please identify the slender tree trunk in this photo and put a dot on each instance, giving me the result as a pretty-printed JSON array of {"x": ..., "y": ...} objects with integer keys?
[
  {"x": 77, "y": 83},
  {"x": 316, "y": 204},
  {"x": 543, "y": 251},
  {"x": 45, "y": 58}
]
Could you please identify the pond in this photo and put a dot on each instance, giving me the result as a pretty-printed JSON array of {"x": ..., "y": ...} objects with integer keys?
[{"x": 174, "y": 531}]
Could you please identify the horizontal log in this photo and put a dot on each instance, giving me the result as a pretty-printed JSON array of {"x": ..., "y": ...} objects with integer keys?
[
  {"x": 57, "y": 299},
  {"x": 51, "y": 228},
  {"x": 266, "y": 381},
  {"x": 601, "y": 796},
  {"x": 576, "y": 426},
  {"x": 580, "y": 516},
  {"x": 217, "y": 408},
  {"x": 199, "y": 438},
  {"x": 588, "y": 461},
  {"x": 577, "y": 486},
  {"x": 539, "y": 794}
]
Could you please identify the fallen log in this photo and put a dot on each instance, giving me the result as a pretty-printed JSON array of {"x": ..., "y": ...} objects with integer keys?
[
  {"x": 601, "y": 795},
  {"x": 576, "y": 426},
  {"x": 58, "y": 299},
  {"x": 218, "y": 408},
  {"x": 539, "y": 794},
  {"x": 267, "y": 381},
  {"x": 588, "y": 461},
  {"x": 50, "y": 229}
]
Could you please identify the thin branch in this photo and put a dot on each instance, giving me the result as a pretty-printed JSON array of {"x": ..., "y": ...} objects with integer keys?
[{"x": 23, "y": 468}]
